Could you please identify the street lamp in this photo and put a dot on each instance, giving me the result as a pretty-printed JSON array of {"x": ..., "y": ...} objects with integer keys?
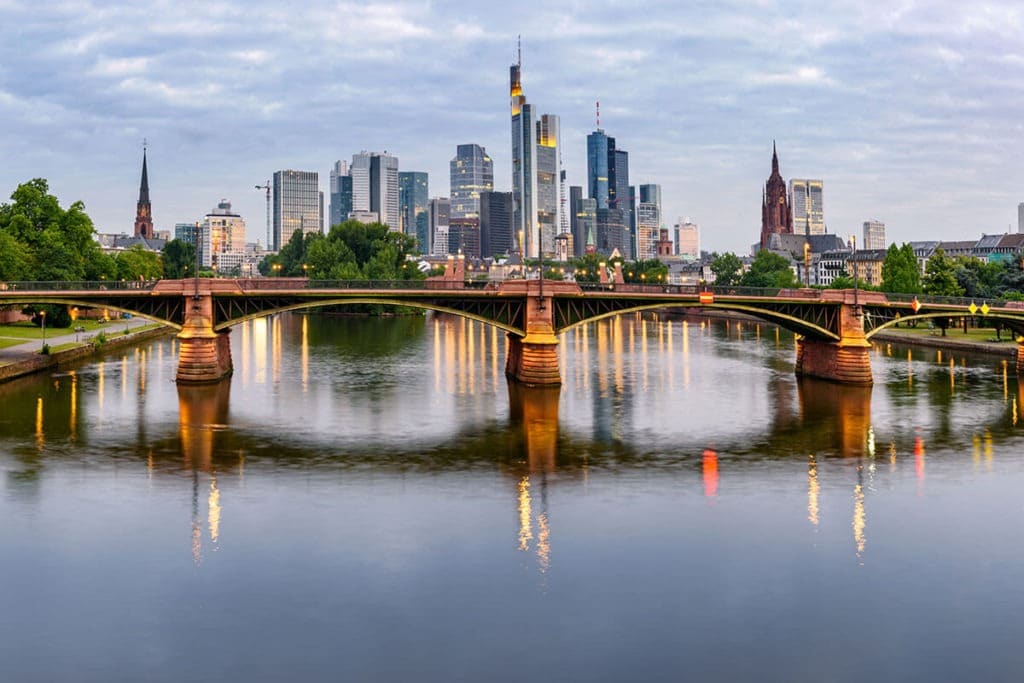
[
  {"x": 275, "y": 270},
  {"x": 42, "y": 315}
]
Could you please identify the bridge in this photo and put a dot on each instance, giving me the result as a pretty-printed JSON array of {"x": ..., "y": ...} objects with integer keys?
[{"x": 833, "y": 326}]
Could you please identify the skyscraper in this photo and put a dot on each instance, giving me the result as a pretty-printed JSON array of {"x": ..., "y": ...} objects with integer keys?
[
  {"x": 536, "y": 173},
  {"x": 375, "y": 186},
  {"x": 222, "y": 236},
  {"x": 687, "y": 239},
  {"x": 608, "y": 182},
  {"x": 1020, "y": 217},
  {"x": 472, "y": 172},
  {"x": 340, "y": 193},
  {"x": 143, "y": 209},
  {"x": 648, "y": 221},
  {"x": 874, "y": 235},
  {"x": 413, "y": 209},
  {"x": 805, "y": 197},
  {"x": 297, "y": 205},
  {"x": 440, "y": 212},
  {"x": 575, "y": 225},
  {"x": 775, "y": 214},
  {"x": 496, "y": 223}
]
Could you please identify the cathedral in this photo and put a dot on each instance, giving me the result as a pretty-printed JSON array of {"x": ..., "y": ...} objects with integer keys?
[
  {"x": 143, "y": 210},
  {"x": 776, "y": 216}
]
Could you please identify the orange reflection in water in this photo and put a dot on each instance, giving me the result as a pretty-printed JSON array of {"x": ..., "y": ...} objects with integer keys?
[{"x": 709, "y": 471}]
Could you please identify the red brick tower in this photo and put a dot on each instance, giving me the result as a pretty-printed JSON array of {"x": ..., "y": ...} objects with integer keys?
[
  {"x": 143, "y": 211},
  {"x": 776, "y": 216}
]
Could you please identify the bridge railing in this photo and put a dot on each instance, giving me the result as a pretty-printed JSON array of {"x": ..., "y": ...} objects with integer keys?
[
  {"x": 953, "y": 300},
  {"x": 694, "y": 290},
  {"x": 253, "y": 284},
  {"x": 76, "y": 286}
]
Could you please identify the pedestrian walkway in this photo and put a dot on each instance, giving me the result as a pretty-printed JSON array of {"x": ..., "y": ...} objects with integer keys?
[{"x": 32, "y": 347}]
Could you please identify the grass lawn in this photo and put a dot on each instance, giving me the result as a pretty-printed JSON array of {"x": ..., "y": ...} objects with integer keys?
[
  {"x": 4, "y": 343},
  {"x": 976, "y": 334},
  {"x": 26, "y": 330}
]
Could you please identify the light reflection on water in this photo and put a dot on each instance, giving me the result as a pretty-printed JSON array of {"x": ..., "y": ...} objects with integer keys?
[{"x": 682, "y": 503}]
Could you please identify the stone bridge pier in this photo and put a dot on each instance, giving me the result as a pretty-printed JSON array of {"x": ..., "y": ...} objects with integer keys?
[
  {"x": 533, "y": 359},
  {"x": 204, "y": 355},
  {"x": 846, "y": 361}
]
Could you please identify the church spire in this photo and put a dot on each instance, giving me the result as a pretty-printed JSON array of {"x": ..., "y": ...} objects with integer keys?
[
  {"x": 775, "y": 159},
  {"x": 143, "y": 210},
  {"x": 144, "y": 185}
]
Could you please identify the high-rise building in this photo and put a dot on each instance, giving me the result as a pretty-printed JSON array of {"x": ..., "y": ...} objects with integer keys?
[
  {"x": 496, "y": 224},
  {"x": 776, "y": 217},
  {"x": 586, "y": 217},
  {"x": 297, "y": 205},
  {"x": 648, "y": 221},
  {"x": 375, "y": 186},
  {"x": 536, "y": 173},
  {"x": 808, "y": 206},
  {"x": 340, "y": 193},
  {"x": 222, "y": 238},
  {"x": 1020, "y": 217},
  {"x": 608, "y": 182},
  {"x": 575, "y": 226},
  {"x": 464, "y": 236},
  {"x": 874, "y": 235},
  {"x": 472, "y": 172},
  {"x": 687, "y": 239},
  {"x": 413, "y": 209},
  {"x": 440, "y": 216},
  {"x": 143, "y": 209}
]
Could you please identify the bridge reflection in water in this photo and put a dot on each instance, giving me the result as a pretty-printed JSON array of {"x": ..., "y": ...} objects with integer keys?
[{"x": 533, "y": 449}]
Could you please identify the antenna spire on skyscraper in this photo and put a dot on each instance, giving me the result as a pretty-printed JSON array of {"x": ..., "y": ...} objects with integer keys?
[
  {"x": 598, "y": 103},
  {"x": 519, "y": 51}
]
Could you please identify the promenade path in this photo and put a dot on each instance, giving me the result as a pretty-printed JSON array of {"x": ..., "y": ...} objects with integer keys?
[{"x": 30, "y": 347}]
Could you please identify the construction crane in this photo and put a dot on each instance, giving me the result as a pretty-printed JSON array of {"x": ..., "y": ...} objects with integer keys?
[{"x": 267, "y": 188}]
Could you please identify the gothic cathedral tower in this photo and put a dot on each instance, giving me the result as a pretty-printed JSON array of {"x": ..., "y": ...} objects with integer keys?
[
  {"x": 143, "y": 211},
  {"x": 776, "y": 216}
]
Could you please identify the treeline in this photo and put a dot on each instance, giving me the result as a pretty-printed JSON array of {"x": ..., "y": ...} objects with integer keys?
[
  {"x": 41, "y": 241},
  {"x": 965, "y": 276},
  {"x": 350, "y": 251}
]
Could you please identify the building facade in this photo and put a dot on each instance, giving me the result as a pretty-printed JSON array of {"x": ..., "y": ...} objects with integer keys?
[
  {"x": 472, "y": 172},
  {"x": 807, "y": 201},
  {"x": 440, "y": 217},
  {"x": 648, "y": 221},
  {"x": 375, "y": 186},
  {"x": 496, "y": 224},
  {"x": 874, "y": 235},
  {"x": 413, "y": 207},
  {"x": 339, "y": 194},
  {"x": 687, "y": 239},
  {"x": 222, "y": 239},
  {"x": 297, "y": 205}
]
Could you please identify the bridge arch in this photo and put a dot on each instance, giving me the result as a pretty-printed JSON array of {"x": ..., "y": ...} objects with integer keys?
[
  {"x": 387, "y": 301},
  {"x": 1012, "y": 322},
  {"x": 92, "y": 304},
  {"x": 793, "y": 324}
]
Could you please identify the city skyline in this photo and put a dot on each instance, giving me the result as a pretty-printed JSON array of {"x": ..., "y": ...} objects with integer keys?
[{"x": 909, "y": 115}]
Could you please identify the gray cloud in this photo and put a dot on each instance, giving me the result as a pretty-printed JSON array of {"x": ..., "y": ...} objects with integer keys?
[{"x": 909, "y": 111}]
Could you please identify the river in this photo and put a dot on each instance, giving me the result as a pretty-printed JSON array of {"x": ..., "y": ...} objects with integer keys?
[{"x": 369, "y": 499}]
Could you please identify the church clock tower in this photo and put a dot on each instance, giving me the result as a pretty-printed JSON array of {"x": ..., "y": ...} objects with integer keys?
[{"x": 143, "y": 210}]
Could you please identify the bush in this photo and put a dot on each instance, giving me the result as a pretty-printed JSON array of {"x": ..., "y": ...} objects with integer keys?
[
  {"x": 45, "y": 350},
  {"x": 100, "y": 339}
]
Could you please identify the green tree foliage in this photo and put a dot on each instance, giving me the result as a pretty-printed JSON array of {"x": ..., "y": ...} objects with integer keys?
[
  {"x": 900, "y": 271},
  {"x": 726, "y": 268},
  {"x": 179, "y": 259},
  {"x": 769, "y": 270},
  {"x": 351, "y": 251},
  {"x": 588, "y": 267},
  {"x": 940, "y": 275},
  {"x": 137, "y": 263},
  {"x": 649, "y": 271},
  {"x": 41, "y": 241}
]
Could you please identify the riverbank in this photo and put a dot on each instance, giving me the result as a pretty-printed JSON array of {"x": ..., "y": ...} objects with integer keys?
[
  {"x": 18, "y": 362},
  {"x": 979, "y": 340}
]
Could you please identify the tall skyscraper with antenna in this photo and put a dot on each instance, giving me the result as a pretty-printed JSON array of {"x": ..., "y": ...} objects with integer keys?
[{"x": 536, "y": 172}]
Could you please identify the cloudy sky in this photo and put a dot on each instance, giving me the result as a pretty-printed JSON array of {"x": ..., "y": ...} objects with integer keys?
[{"x": 912, "y": 112}]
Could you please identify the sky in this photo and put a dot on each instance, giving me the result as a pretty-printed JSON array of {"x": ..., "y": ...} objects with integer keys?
[{"x": 911, "y": 112}]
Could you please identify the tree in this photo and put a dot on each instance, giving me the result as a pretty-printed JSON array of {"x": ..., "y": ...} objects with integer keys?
[
  {"x": 649, "y": 271},
  {"x": 770, "y": 270},
  {"x": 137, "y": 263},
  {"x": 14, "y": 258},
  {"x": 900, "y": 272},
  {"x": 179, "y": 259},
  {"x": 726, "y": 268},
  {"x": 940, "y": 275}
]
